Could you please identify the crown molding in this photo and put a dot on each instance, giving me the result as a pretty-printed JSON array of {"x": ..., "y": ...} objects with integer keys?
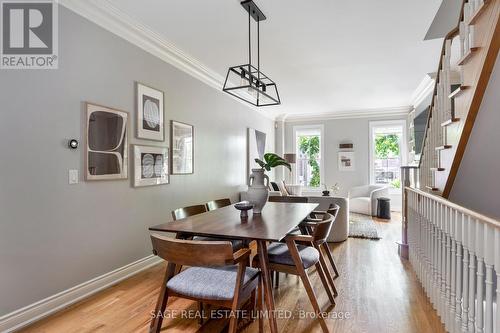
[
  {"x": 401, "y": 111},
  {"x": 107, "y": 16},
  {"x": 423, "y": 90}
]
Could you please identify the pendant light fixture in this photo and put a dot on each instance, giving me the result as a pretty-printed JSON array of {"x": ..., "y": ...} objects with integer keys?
[{"x": 247, "y": 82}]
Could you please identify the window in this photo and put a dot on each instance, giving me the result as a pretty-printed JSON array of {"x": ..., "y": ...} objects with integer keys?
[
  {"x": 387, "y": 152},
  {"x": 309, "y": 150}
]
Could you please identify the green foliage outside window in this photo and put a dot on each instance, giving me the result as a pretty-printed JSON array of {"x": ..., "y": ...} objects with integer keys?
[
  {"x": 309, "y": 145},
  {"x": 387, "y": 146}
]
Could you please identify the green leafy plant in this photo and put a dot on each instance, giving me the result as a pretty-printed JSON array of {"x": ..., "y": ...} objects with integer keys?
[
  {"x": 309, "y": 145},
  {"x": 272, "y": 160},
  {"x": 396, "y": 183},
  {"x": 387, "y": 146}
]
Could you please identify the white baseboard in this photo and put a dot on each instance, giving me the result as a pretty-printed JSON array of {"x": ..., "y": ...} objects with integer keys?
[{"x": 22, "y": 317}]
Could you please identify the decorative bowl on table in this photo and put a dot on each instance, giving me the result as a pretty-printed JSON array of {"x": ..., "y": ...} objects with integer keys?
[{"x": 243, "y": 206}]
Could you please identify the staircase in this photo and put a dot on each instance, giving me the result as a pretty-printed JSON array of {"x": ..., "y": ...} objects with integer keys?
[
  {"x": 467, "y": 58},
  {"x": 454, "y": 251}
]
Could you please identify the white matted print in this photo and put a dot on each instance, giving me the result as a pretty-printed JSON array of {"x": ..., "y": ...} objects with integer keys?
[
  {"x": 346, "y": 161},
  {"x": 150, "y": 113},
  {"x": 182, "y": 146},
  {"x": 150, "y": 165}
]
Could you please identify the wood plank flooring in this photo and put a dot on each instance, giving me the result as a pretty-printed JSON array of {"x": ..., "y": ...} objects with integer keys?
[{"x": 378, "y": 292}]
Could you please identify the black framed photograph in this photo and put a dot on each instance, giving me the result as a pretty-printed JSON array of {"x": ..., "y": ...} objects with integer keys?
[
  {"x": 106, "y": 148},
  {"x": 150, "y": 113},
  {"x": 150, "y": 165},
  {"x": 182, "y": 148}
]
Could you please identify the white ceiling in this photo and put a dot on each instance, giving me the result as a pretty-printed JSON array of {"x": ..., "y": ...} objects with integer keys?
[{"x": 327, "y": 56}]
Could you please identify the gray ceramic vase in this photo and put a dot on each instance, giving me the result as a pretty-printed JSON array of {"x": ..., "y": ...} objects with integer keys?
[{"x": 258, "y": 192}]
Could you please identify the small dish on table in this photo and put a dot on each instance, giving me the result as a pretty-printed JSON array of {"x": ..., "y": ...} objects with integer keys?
[{"x": 244, "y": 207}]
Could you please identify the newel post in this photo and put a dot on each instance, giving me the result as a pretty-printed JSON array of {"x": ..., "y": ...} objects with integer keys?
[{"x": 406, "y": 181}]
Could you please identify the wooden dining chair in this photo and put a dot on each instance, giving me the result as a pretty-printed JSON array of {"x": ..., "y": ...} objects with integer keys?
[
  {"x": 297, "y": 255},
  {"x": 308, "y": 227},
  {"x": 216, "y": 276},
  {"x": 184, "y": 212},
  {"x": 216, "y": 204},
  {"x": 316, "y": 216},
  {"x": 288, "y": 198}
]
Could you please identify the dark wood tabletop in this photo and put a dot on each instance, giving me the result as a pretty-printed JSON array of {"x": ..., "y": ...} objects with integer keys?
[{"x": 275, "y": 222}]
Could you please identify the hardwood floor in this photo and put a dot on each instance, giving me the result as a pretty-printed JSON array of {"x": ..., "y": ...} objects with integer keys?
[{"x": 378, "y": 292}]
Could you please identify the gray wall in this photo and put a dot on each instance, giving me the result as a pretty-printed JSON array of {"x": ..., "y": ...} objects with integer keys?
[
  {"x": 337, "y": 131},
  {"x": 53, "y": 235},
  {"x": 477, "y": 184}
]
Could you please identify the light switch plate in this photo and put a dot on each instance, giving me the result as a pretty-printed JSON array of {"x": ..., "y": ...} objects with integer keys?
[{"x": 73, "y": 177}]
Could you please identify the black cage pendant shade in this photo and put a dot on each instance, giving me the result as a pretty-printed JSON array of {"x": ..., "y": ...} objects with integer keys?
[{"x": 247, "y": 82}]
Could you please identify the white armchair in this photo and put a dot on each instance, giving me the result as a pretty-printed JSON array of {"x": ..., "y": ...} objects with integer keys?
[{"x": 363, "y": 199}]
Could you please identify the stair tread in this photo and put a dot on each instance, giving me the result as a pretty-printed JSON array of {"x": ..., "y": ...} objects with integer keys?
[
  {"x": 432, "y": 188},
  {"x": 478, "y": 13},
  {"x": 457, "y": 91},
  {"x": 466, "y": 56},
  {"x": 437, "y": 169},
  {"x": 443, "y": 147},
  {"x": 450, "y": 121}
]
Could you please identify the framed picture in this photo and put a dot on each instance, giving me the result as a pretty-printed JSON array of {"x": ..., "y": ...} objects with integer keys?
[
  {"x": 150, "y": 113},
  {"x": 256, "y": 147},
  {"x": 106, "y": 149},
  {"x": 150, "y": 165},
  {"x": 182, "y": 148},
  {"x": 346, "y": 161}
]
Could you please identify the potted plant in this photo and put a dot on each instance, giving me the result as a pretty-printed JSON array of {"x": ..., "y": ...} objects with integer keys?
[
  {"x": 325, "y": 190},
  {"x": 335, "y": 188},
  {"x": 258, "y": 192}
]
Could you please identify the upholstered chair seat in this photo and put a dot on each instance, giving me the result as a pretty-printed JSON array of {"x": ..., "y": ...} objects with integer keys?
[
  {"x": 209, "y": 283},
  {"x": 279, "y": 254}
]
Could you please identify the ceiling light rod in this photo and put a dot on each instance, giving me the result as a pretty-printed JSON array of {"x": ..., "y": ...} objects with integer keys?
[{"x": 258, "y": 89}]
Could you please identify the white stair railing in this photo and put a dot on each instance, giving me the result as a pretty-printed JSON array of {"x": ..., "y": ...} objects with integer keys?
[{"x": 455, "y": 253}]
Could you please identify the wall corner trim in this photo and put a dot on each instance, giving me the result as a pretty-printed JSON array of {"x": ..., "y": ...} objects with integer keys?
[
  {"x": 107, "y": 16},
  {"x": 29, "y": 314}
]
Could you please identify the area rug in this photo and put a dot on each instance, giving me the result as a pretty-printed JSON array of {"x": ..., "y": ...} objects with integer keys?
[{"x": 362, "y": 226}]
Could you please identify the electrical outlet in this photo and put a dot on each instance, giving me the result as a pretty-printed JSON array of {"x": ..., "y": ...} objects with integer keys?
[{"x": 73, "y": 177}]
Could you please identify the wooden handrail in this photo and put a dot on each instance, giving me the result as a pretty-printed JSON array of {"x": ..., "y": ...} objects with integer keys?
[
  {"x": 486, "y": 219},
  {"x": 475, "y": 103},
  {"x": 449, "y": 35},
  {"x": 477, "y": 71}
]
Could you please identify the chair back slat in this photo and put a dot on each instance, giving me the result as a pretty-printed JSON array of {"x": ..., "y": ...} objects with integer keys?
[
  {"x": 193, "y": 253},
  {"x": 334, "y": 211},
  {"x": 277, "y": 198},
  {"x": 216, "y": 204},
  {"x": 274, "y": 186},
  {"x": 322, "y": 229},
  {"x": 184, "y": 212}
]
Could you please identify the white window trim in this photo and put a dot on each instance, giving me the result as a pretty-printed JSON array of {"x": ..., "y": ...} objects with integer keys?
[
  {"x": 371, "y": 143},
  {"x": 321, "y": 129}
]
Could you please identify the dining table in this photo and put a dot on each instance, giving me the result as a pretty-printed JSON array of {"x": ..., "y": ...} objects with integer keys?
[{"x": 276, "y": 220}]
